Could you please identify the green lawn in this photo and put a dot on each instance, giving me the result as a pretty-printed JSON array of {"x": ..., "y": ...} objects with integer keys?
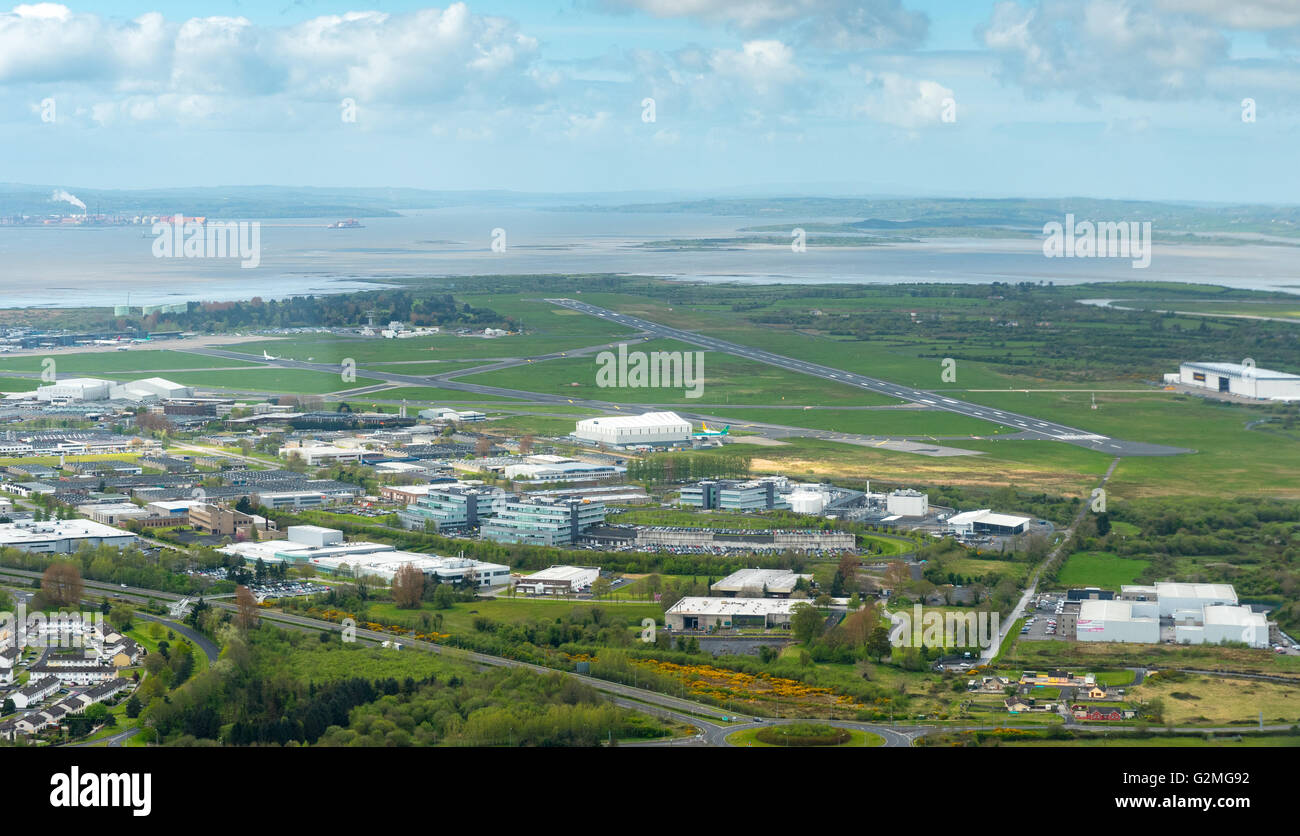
[{"x": 1102, "y": 569}]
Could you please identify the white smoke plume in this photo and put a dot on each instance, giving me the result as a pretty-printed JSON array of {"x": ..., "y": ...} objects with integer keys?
[{"x": 61, "y": 195}]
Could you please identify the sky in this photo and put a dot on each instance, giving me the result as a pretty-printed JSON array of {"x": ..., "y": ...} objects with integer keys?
[{"x": 1191, "y": 100}]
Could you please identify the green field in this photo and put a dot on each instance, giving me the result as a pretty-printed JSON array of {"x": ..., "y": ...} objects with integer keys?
[
  {"x": 138, "y": 362},
  {"x": 1102, "y": 569},
  {"x": 1229, "y": 458},
  {"x": 18, "y": 384},
  {"x": 726, "y": 380},
  {"x": 276, "y": 381},
  {"x": 891, "y": 422},
  {"x": 325, "y": 349},
  {"x": 432, "y": 394},
  {"x": 1056, "y": 468}
]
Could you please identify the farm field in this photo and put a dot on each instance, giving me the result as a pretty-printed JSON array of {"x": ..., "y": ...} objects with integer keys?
[
  {"x": 1038, "y": 655},
  {"x": 1108, "y": 571},
  {"x": 1201, "y": 699}
]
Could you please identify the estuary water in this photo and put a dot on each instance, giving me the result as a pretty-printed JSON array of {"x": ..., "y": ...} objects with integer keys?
[{"x": 100, "y": 266}]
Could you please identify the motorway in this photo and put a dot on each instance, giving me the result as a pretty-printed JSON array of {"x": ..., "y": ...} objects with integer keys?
[{"x": 1032, "y": 427}]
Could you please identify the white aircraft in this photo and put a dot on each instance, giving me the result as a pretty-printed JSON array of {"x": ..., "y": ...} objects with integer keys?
[{"x": 266, "y": 356}]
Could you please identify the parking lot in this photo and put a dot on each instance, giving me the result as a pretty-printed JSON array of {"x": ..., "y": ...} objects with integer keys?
[{"x": 1043, "y": 622}]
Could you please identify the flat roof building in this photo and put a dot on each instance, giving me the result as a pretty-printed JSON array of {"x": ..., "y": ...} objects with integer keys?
[
  {"x": 453, "y": 507},
  {"x": 61, "y": 536},
  {"x": 694, "y": 613},
  {"x": 543, "y": 521},
  {"x": 1115, "y": 621},
  {"x": 759, "y": 583},
  {"x": 558, "y": 580},
  {"x": 985, "y": 521},
  {"x": 907, "y": 503},
  {"x": 436, "y": 568}
]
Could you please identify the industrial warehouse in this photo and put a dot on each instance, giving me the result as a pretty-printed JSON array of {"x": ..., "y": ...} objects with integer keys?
[
  {"x": 1181, "y": 613},
  {"x": 692, "y": 613}
]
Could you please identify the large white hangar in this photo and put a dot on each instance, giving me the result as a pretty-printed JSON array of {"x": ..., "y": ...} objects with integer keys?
[
  {"x": 1238, "y": 379},
  {"x": 629, "y": 430}
]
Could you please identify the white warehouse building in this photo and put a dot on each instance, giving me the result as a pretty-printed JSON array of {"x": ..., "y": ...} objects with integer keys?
[
  {"x": 75, "y": 389},
  {"x": 1118, "y": 621},
  {"x": 1236, "y": 379},
  {"x": 630, "y": 430}
]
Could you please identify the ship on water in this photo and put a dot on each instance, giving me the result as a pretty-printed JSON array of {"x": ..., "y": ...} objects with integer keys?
[{"x": 350, "y": 223}]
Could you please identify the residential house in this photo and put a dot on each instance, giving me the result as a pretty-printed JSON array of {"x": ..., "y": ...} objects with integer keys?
[{"x": 37, "y": 690}]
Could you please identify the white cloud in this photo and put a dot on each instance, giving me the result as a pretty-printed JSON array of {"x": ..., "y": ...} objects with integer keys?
[
  {"x": 831, "y": 24},
  {"x": 906, "y": 103},
  {"x": 431, "y": 55},
  {"x": 1240, "y": 14},
  {"x": 1099, "y": 47}
]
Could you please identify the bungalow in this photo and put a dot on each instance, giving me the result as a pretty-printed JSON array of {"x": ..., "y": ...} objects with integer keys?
[
  {"x": 1098, "y": 692},
  {"x": 1096, "y": 712},
  {"x": 1016, "y": 705},
  {"x": 29, "y": 725}
]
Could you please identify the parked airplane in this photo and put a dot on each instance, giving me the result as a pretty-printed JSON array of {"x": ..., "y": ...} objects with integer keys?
[{"x": 707, "y": 432}]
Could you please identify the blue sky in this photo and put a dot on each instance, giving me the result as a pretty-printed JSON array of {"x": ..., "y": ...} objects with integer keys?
[{"x": 1103, "y": 98}]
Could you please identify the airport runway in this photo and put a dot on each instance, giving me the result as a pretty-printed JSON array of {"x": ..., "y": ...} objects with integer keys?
[{"x": 1032, "y": 427}]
